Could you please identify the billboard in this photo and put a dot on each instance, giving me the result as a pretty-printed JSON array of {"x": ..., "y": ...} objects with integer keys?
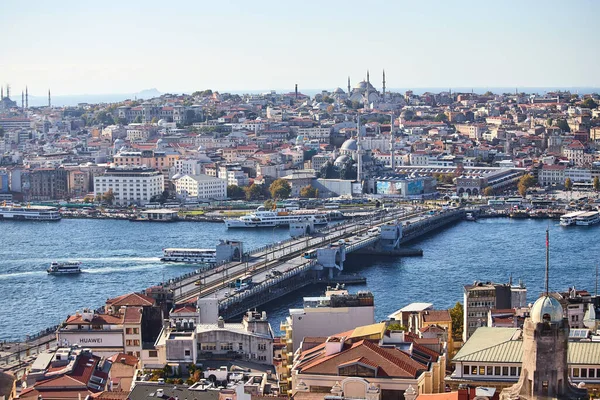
[
  {"x": 414, "y": 187},
  {"x": 91, "y": 338},
  {"x": 389, "y": 188}
]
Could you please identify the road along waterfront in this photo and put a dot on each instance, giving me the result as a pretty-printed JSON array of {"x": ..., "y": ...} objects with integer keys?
[{"x": 121, "y": 257}]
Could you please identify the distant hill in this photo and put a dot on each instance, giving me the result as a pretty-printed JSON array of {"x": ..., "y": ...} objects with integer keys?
[{"x": 73, "y": 100}]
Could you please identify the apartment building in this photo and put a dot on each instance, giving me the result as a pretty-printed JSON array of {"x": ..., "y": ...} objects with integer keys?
[{"x": 130, "y": 185}]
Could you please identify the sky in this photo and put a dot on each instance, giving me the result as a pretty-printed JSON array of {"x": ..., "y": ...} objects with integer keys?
[{"x": 80, "y": 47}]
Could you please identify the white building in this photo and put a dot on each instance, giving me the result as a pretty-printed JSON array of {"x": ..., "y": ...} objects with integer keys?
[
  {"x": 130, "y": 185},
  {"x": 320, "y": 134},
  {"x": 201, "y": 187}
]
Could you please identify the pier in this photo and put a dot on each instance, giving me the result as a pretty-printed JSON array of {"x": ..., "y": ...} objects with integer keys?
[{"x": 281, "y": 268}]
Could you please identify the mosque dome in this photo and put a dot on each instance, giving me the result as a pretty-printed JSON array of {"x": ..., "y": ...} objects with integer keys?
[
  {"x": 338, "y": 90},
  {"x": 362, "y": 85},
  {"x": 161, "y": 122},
  {"x": 350, "y": 145},
  {"x": 341, "y": 160},
  {"x": 546, "y": 308},
  {"x": 118, "y": 144},
  {"x": 177, "y": 176}
]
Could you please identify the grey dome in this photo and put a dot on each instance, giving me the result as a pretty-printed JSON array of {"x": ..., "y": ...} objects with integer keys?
[
  {"x": 341, "y": 160},
  {"x": 338, "y": 90},
  {"x": 549, "y": 307},
  {"x": 350, "y": 144}
]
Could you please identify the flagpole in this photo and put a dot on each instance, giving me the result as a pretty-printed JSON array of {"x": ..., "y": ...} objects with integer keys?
[{"x": 547, "y": 260}]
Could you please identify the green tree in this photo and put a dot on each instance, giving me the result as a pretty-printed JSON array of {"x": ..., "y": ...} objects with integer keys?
[
  {"x": 488, "y": 191},
  {"x": 109, "y": 197},
  {"x": 280, "y": 189},
  {"x": 154, "y": 120},
  {"x": 254, "y": 192},
  {"x": 270, "y": 204},
  {"x": 456, "y": 313},
  {"x": 525, "y": 183},
  {"x": 138, "y": 119},
  {"x": 589, "y": 103},
  {"x": 190, "y": 117},
  {"x": 596, "y": 183},
  {"x": 235, "y": 192},
  {"x": 563, "y": 125},
  {"x": 568, "y": 184},
  {"x": 309, "y": 192},
  {"x": 396, "y": 326},
  {"x": 441, "y": 117},
  {"x": 327, "y": 170},
  {"x": 549, "y": 122}
]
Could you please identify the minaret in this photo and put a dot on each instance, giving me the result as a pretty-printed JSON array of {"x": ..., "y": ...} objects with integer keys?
[
  {"x": 358, "y": 151},
  {"x": 7, "y": 91},
  {"x": 384, "y": 85},
  {"x": 1, "y": 92},
  {"x": 49, "y": 99},
  {"x": 367, "y": 93},
  {"x": 22, "y": 100},
  {"x": 392, "y": 141},
  {"x": 348, "y": 86},
  {"x": 26, "y": 98}
]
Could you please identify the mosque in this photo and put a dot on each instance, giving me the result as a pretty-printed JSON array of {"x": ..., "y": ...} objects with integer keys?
[{"x": 363, "y": 92}]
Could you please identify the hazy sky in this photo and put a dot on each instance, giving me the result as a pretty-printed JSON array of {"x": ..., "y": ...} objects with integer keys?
[{"x": 77, "y": 47}]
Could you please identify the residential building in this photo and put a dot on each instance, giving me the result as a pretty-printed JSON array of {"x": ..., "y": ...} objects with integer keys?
[
  {"x": 130, "y": 185},
  {"x": 160, "y": 159},
  {"x": 550, "y": 175},
  {"x": 45, "y": 184},
  {"x": 198, "y": 187},
  {"x": 481, "y": 297}
]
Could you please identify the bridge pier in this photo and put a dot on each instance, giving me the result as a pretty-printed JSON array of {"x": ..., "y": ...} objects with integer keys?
[
  {"x": 302, "y": 228},
  {"x": 332, "y": 258}
]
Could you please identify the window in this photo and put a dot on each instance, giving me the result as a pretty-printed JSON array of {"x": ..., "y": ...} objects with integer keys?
[
  {"x": 153, "y": 353},
  {"x": 136, "y": 330},
  {"x": 262, "y": 346},
  {"x": 136, "y": 342},
  {"x": 128, "y": 342},
  {"x": 227, "y": 346},
  {"x": 128, "y": 331},
  {"x": 490, "y": 370},
  {"x": 584, "y": 372},
  {"x": 240, "y": 346},
  {"x": 504, "y": 371},
  {"x": 208, "y": 346},
  {"x": 473, "y": 369},
  {"x": 497, "y": 371},
  {"x": 465, "y": 370},
  {"x": 513, "y": 371},
  {"x": 481, "y": 370},
  {"x": 575, "y": 372},
  {"x": 592, "y": 373},
  {"x": 187, "y": 352}
]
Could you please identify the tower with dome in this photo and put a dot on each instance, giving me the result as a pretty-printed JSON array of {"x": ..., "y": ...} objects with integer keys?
[{"x": 544, "y": 371}]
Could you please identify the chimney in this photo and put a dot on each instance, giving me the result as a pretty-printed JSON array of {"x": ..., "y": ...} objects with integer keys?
[{"x": 333, "y": 345}]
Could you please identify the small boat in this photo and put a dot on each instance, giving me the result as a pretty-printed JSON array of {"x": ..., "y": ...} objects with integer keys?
[
  {"x": 470, "y": 216},
  {"x": 63, "y": 268}
]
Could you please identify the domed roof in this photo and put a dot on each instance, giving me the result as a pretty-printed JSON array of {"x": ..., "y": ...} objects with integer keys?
[
  {"x": 361, "y": 85},
  {"x": 546, "y": 308},
  {"x": 350, "y": 144},
  {"x": 161, "y": 122},
  {"x": 341, "y": 160},
  {"x": 338, "y": 90}
]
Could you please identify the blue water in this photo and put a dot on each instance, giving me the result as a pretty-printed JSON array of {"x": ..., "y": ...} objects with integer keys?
[{"x": 121, "y": 257}]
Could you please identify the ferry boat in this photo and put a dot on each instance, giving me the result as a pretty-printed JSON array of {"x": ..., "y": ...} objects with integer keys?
[
  {"x": 588, "y": 218},
  {"x": 191, "y": 256},
  {"x": 61, "y": 268},
  {"x": 269, "y": 219},
  {"x": 570, "y": 218},
  {"x": 17, "y": 212}
]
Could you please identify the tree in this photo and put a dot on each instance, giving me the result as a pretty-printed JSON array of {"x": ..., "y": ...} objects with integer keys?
[
  {"x": 589, "y": 103},
  {"x": 525, "y": 183},
  {"x": 138, "y": 119},
  {"x": 309, "y": 192},
  {"x": 563, "y": 125},
  {"x": 568, "y": 184},
  {"x": 456, "y": 313},
  {"x": 396, "y": 326},
  {"x": 280, "y": 189},
  {"x": 596, "y": 184},
  {"x": 190, "y": 117},
  {"x": 488, "y": 191},
  {"x": 253, "y": 192},
  {"x": 88, "y": 199},
  {"x": 327, "y": 171},
  {"x": 154, "y": 120},
  {"x": 441, "y": 117},
  {"x": 549, "y": 122},
  {"x": 235, "y": 192},
  {"x": 109, "y": 196}
]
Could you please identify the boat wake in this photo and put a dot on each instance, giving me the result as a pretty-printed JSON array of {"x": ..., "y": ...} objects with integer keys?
[
  {"x": 108, "y": 270},
  {"x": 10, "y": 275}
]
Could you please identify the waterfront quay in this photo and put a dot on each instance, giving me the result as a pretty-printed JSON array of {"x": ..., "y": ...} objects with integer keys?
[{"x": 282, "y": 268}]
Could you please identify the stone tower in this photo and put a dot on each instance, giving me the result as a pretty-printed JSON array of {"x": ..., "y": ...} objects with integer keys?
[{"x": 544, "y": 370}]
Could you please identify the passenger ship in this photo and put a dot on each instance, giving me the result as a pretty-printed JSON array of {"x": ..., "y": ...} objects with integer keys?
[
  {"x": 29, "y": 213},
  {"x": 570, "y": 218},
  {"x": 191, "y": 256},
  {"x": 588, "y": 218},
  {"x": 269, "y": 219},
  {"x": 60, "y": 268}
]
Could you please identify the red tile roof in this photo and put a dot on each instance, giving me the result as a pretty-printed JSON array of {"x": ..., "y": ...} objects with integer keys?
[
  {"x": 133, "y": 315},
  {"x": 99, "y": 319},
  {"x": 131, "y": 299}
]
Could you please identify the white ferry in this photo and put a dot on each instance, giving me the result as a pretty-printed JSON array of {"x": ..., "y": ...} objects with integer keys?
[
  {"x": 191, "y": 256},
  {"x": 69, "y": 267},
  {"x": 570, "y": 218},
  {"x": 269, "y": 219},
  {"x": 29, "y": 213},
  {"x": 588, "y": 218}
]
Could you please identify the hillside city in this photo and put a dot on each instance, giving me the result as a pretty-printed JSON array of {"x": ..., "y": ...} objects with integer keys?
[{"x": 403, "y": 163}]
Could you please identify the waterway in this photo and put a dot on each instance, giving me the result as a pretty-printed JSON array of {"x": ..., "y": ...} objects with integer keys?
[{"x": 122, "y": 256}]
